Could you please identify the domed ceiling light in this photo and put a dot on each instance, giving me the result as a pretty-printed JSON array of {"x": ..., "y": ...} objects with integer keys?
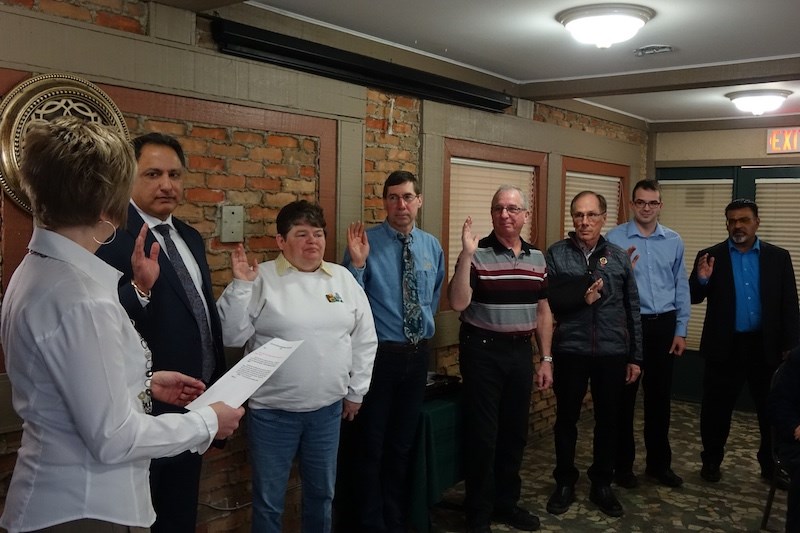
[
  {"x": 605, "y": 24},
  {"x": 758, "y": 101}
]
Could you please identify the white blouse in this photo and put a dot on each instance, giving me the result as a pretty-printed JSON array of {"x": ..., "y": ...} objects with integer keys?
[{"x": 76, "y": 366}]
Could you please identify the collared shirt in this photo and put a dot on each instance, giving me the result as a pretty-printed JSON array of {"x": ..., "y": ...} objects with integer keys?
[
  {"x": 76, "y": 366},
  {"x": 327, "y": 310},
  {"x": 382, "y": 278},
  {"x": 747, "y": 283},
  {"x": 183, "y": 249},
  {"x": 506, "y": 287},
  {"x": 660, "y": 271}
]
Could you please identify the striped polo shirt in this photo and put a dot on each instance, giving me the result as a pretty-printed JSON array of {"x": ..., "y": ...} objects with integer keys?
[{"x": 505, "y": 289}]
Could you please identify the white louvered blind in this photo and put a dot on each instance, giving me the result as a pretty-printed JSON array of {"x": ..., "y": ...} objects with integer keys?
[
  {"x": 609, "y": 187},
  {"x": 472, "y": 185},
  {"x": 696, "y": 210},
  {"x": 777, "y": 201}
]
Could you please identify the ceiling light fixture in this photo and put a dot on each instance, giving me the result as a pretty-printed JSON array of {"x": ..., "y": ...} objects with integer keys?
[
  {"x": 758, "y": 101},
  {"x": 605, "y": 24}
]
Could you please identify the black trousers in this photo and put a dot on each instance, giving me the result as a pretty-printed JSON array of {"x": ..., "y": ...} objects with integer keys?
[
  {"x": 174, "y": 484},
  {"x": 384, "y": 433},
  {"x": 722, "y": 383},
  {"x": 497, "y": 375},
  {"x": 658, "y": 332},
  {"x": 571, "y": 377}
]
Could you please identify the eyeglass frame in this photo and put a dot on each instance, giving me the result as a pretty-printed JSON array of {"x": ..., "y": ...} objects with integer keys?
[
  {"x": 652, "y": 204},
  {"x": 591, "y": 217},
  {"x": 512, "y": 210},
  {"x": 407, "y": 198}
]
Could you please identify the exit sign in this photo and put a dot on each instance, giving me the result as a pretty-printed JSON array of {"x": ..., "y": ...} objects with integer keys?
[{"x": 783, "y": 140}]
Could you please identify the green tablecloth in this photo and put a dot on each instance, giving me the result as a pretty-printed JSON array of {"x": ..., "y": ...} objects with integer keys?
[{"x": 436, "y": 458}]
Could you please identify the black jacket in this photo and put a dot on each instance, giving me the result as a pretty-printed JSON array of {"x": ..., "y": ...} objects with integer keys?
[{"x": 610, "y": 326}]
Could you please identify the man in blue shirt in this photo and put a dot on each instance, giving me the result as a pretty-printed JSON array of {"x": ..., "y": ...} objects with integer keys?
[
  {"x": 657, "y": 255},
  {"x": 752, "y": 321},
  {"x": 387, "y": 422}
]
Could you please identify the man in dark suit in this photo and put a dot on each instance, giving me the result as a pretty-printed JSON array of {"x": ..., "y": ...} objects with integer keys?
[
  {"x": 751, "y": 324},
  {"x": 167, "y": 294}
]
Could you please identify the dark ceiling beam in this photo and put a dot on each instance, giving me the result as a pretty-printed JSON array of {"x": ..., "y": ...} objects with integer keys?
[{"x": 667, "y": 80}]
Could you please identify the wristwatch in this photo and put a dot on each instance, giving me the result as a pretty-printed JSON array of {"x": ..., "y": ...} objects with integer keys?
[{"x": 547, "y": 358}]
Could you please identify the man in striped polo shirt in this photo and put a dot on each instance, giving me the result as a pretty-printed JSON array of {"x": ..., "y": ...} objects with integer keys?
[{"x": 499, "y": 287}]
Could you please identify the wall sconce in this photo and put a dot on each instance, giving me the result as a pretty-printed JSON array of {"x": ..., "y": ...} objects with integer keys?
[
  {"x": 758, "y": 101},
  {"x": 605, "y": 24}
]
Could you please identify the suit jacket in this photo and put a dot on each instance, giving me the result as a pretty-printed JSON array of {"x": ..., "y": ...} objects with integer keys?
[
  {"x": 167, "y": 322},
  {"x": 780, "y": 318}
]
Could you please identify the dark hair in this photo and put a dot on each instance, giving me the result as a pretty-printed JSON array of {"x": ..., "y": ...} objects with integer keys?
[
  {"x": 299, "y": 212},
  {"x": 648, "y": 185},
  {"x": 398, "y": 177},
  {"x": 74, "y": 171},
  {"x": 159, "y": 139},
  {"x": 742, "y": 203},
  {"x": 600, "y": 198}
]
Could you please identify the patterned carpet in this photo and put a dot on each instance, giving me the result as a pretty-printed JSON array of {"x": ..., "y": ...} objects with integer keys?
[{"x": 736, "y": 503}]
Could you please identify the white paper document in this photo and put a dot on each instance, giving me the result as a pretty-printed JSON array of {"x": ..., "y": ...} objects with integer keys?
[{"x": 246, "y": 376}]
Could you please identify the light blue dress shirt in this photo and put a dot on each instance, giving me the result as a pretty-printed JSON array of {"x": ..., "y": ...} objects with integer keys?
[
  {"x": 747, "y": 283},
  {"x": 660, "y": 271},
  {"x": 381, "y": 279}
]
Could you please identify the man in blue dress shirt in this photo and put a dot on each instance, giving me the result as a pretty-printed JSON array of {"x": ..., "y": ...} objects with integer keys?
[
  {"x": 657, "y": 255},
  {"x": 387, "y": 422},
  {"x": 752, "y": 322}
]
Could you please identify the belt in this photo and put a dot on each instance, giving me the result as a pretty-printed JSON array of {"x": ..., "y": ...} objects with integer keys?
[
  {"x": 657, "y": 316},
  {"x": 402, "y": 347},
  {"x": 494, "y": 335}
]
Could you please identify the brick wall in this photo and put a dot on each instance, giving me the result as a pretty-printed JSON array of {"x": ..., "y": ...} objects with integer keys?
[{"x": 124, "y": 15}]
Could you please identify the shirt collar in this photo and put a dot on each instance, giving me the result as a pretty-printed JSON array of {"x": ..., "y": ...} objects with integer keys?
[
  {"x": 756, "y": 246},
  {"x": 393, "y": 233},
  {"x": 51, "y": 244},
  {"x": 283, "y": 266},
  {"x": 634, "y": 231},
  {"x": 152, "y": 221},
  {"x": 499, "y": 247}
]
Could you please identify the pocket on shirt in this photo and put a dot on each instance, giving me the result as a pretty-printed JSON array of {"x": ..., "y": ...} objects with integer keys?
[{"x": 425, "y": 283}]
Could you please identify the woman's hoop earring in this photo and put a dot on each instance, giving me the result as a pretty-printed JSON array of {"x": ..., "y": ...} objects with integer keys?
[{"x": 110, "y": 239}]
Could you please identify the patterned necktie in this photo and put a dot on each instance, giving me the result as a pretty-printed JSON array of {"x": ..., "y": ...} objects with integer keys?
[
  {"x": 195, "y": 302},
  {"x": 412, "y": 313}
]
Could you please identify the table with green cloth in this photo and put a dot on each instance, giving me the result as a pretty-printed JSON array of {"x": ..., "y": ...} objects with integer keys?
[{"x": 436, "y": 457}]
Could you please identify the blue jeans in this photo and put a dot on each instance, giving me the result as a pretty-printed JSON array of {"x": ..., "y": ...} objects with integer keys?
[{"x": 275, "y": 438}]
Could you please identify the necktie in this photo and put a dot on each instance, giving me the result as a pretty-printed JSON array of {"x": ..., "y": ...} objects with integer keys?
[
  {"x": 195, "y": 301},
  {"x": 412, "y": 313}
]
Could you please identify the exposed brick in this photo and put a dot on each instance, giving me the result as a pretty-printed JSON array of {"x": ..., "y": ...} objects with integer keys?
[
  {"x": 375, "y": 153},
  {"x": 244, "y": 197},
  {"x": 264, "y": 184},
  {"x": 135, "y": 9},
  {"x": 376, "y": 124},
  {"x": 248, "y": 137},
  {"x": 282, "y": 140},
  {"x": 219, "y": 181},
  {"x": 403, "y": 155},
  {"x": 266, "y": 153},
  {"x": 262, "y": 213},
  {"x": 209, "y": 133},
  {"x": 280, "y": 170},
  {"x": 279, "y": 199},
  {"x": 405, "y": 102},
  {"x": 309, "y": 146},
  {"x": 170, "y": 128},
  {"x": 193, "y": 145},
  {"x": 227, "y": 150},
  {"x": 194, "y": 179},
  {"x": 113, "y": 5},
  {"x": 262, "y": 243},
  {"x": 23, "y": 3},
  {"x": 197, "y": 162},
  {"x": 245, "y": 168},
  {"x": 63, "y": 9},
  {"x": 300, "y": 186},
  {"x": 204, "y": 195},
  {"x": 119, "y": 22},
  {"x": 189, "y": 212},
  {"x": 308, "y": 171}
]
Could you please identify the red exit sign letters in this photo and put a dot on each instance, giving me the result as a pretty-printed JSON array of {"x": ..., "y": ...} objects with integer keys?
[{"x": 783, "y": 140}]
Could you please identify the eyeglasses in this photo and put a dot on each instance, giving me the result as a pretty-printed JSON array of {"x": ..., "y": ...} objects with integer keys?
[
  {"x": 592, "y": 217},
  {"x": 407, "y": 198},
  {"x": 641, "y": 203},
  {"x": 512, "y": 209}
]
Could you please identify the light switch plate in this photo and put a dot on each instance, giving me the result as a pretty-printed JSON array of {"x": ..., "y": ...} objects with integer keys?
[{"x": 232, "y": 224}]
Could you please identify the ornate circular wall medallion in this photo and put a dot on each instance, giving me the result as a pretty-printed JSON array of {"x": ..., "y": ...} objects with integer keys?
[{"x": 47, "y": 96}]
